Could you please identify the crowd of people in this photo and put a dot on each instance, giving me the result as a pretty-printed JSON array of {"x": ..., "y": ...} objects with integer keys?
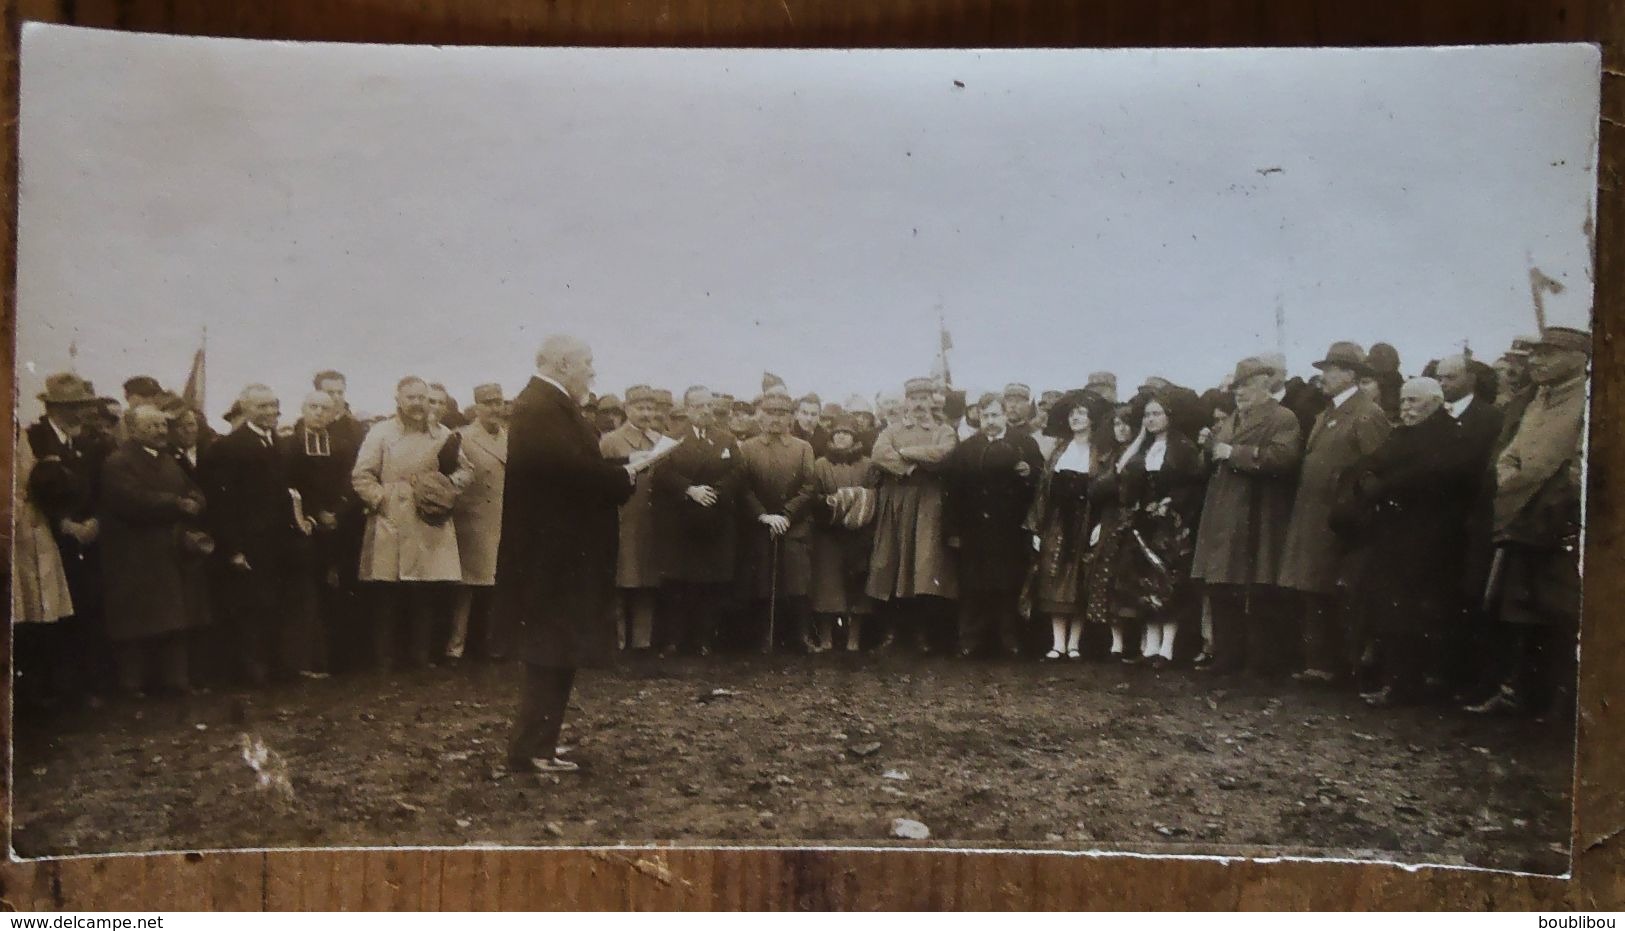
[{"x": 1414, "y": 538}]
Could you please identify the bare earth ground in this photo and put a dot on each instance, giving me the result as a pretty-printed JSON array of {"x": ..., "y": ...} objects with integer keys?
[{"x": 801, "y": 750}]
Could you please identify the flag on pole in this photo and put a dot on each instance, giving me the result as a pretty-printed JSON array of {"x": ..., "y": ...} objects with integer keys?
[
  {"x": 946, "y": 343},
  {"x": 193, "y": 393}
]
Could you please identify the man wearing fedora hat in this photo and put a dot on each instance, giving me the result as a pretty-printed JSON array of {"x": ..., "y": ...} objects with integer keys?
[
  {"x": 1254, "y": 453},
  {"x": 1349, "y": 430},
  {"x": 63, "y": 486},
  {"x": 1534, "y": 585}
]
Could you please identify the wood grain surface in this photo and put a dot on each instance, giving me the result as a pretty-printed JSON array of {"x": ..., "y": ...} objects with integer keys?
[{"x": 806, "y": 879}]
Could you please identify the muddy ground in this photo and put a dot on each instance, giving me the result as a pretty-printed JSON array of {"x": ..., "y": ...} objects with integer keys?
[{"x": 832, "y": 748}]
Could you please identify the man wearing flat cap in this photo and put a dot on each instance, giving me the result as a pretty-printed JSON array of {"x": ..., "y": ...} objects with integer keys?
[
  {"x": 1348, "y": 431},
  {"x": 912, "y": 570},
  {"x": 477, "y": 516},
  {"x": 1254, "y": 453},
  {"x": 777, "y": 491},
  {"x": 637, "y": 562},
  {"x": 1534, "y": 586}
]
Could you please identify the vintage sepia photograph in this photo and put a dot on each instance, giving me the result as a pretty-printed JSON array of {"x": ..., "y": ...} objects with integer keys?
[{"x": 1150, "y": 451}]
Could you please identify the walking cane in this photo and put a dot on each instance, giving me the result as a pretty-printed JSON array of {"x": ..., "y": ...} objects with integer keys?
[{"x": 773, "y": 593}]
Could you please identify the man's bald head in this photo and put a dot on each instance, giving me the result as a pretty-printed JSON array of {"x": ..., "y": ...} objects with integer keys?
[{"x": 568, "y": 361}]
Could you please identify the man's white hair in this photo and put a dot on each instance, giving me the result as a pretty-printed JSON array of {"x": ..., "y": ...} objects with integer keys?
[
  {"x": 1423, "y": 387},
  {"x": 252, "y": 389},
  {"x": 558, "y": 350},
  {"x": 318, "y": 396},
  {"x": 147, "y": 412}
]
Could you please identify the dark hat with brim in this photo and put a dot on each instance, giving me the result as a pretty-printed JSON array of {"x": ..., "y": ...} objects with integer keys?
[
  {"x": 1100, "y": 411},
  {"x": 1346, "y": 355},
  {"x": 68, "y": 388}
]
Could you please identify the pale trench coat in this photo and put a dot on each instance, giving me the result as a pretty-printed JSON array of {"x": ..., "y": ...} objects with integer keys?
[
  {"x": 398, "y": 546},
  {"x": 39, "y": 587},
  {"x": 478, "y": 516}
]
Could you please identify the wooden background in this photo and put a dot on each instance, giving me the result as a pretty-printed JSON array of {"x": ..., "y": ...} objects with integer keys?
[{"x": 820, "y": 879}]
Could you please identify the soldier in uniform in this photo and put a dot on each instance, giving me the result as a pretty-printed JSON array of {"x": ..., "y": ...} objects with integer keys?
[
  {"x": 911, "y": 569},
  {"x": 777, "y": 486},
  {"x": 1534, "y": 585},
  {"x": 637, "y": 564}
]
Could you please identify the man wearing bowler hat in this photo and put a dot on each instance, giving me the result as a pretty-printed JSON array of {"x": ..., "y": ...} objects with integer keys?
[{"x": 1350, "y": 429}]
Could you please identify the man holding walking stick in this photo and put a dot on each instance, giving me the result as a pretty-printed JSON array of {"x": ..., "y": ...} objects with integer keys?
[{"x": 778, "y": 488}]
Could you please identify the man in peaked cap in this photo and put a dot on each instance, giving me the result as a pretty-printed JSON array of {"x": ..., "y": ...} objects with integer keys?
[
  {"x": 637, "y": 564},
  {"x": 478, "y": 519},
  {"x": 1351, "y": 428},
  {"x": 1103, "y": 384},
  {"x": 1018, "y": 407},
  {"x": 1534, "y": 586},
  {"x": 610, "y": 414},
  {"x": 742, "y": 421},
  {"x": 663, "y": 404},
  {"x": 777, "y": 495},
  {"x": 1254, "y": 453},
  {"x": 911, "y": 569}
]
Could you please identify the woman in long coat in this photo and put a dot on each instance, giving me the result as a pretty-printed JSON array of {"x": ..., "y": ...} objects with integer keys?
[
  {"x": 1159, "y": 492},
  {"x": 1062, "y": 516},
  {"x": 39, "y": 587},
  {"x": 843, "y": 507}
]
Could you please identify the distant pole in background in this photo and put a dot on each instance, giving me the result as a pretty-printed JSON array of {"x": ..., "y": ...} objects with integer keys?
[
  {"x": 1280, "y": 326},
  {"x": 192, "y": 395},
  {"x": 944, "y": 344},
  {"x": 1540, "y": 284},
  {"x": 73, "y": 355}
]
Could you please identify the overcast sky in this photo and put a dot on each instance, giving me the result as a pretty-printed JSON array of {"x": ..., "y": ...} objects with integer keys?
[{"x": 700, "y": 216}]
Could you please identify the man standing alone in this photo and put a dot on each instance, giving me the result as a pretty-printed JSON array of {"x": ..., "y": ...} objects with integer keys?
[{"x": 555, "y": 581}]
